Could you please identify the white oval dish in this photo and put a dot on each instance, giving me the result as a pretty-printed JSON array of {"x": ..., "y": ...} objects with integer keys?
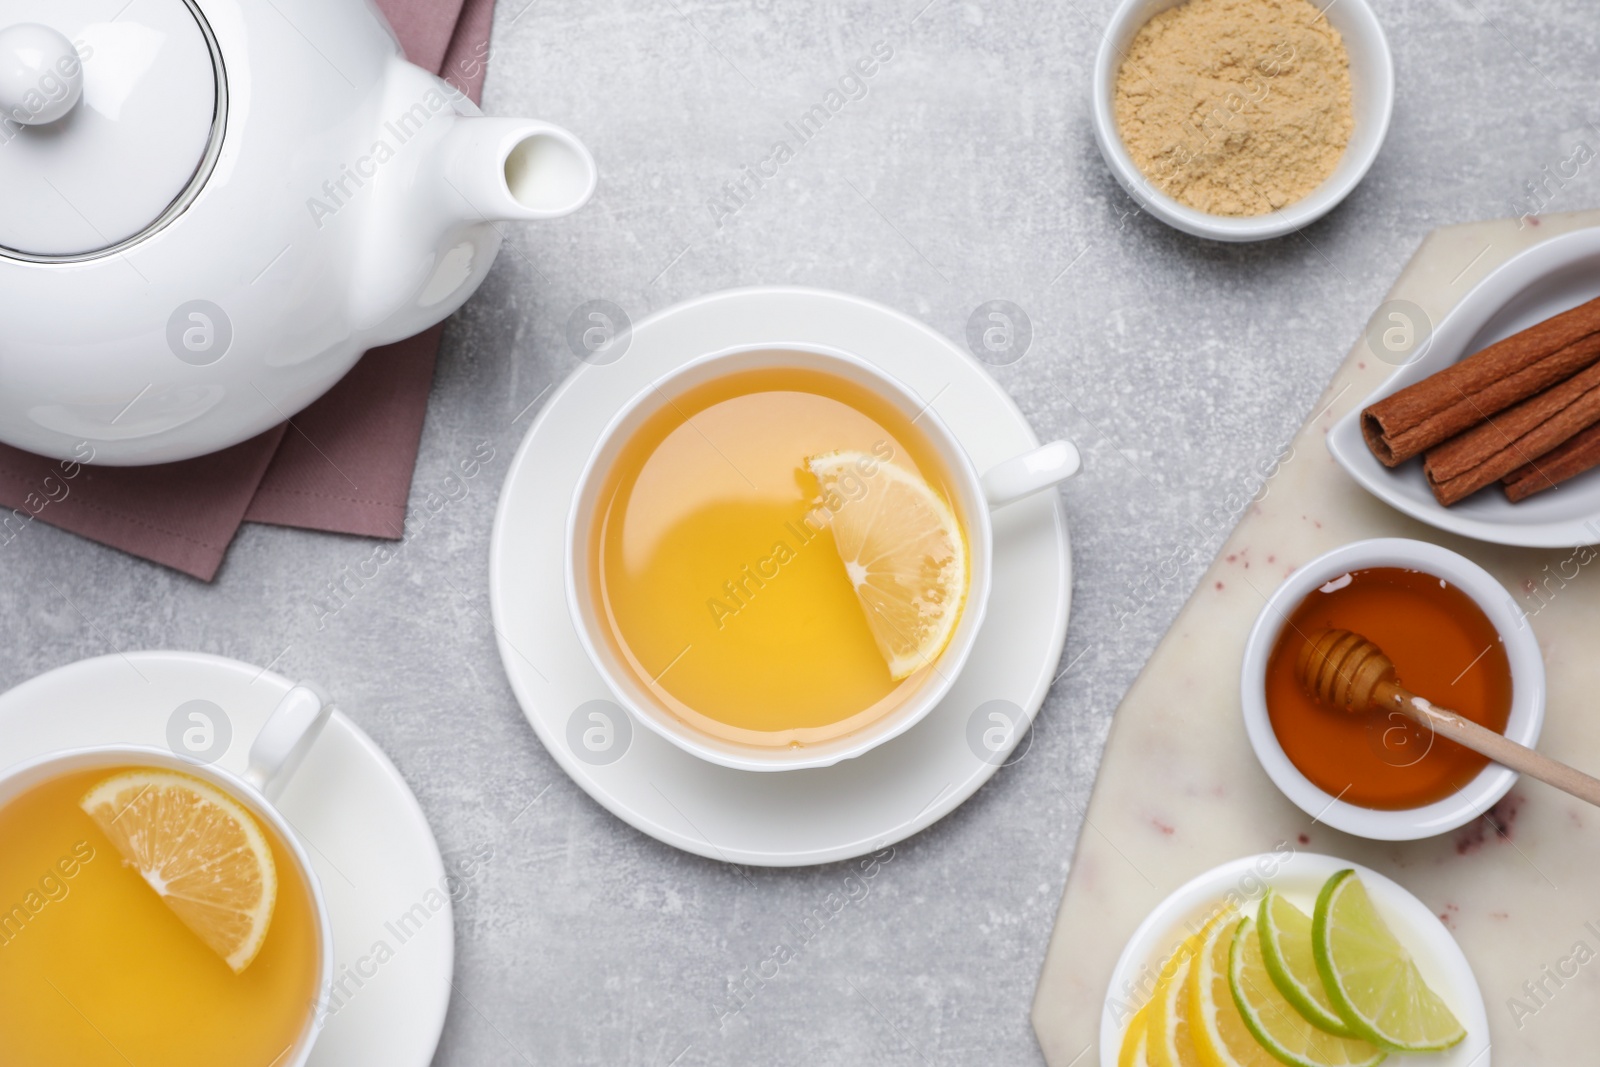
[
  {"x": 1298, "y": 876},
  {"x": 1527, "y": 689},
  {"x": 1547, "y": 279},
  {"x": 1372, "y": 99}
]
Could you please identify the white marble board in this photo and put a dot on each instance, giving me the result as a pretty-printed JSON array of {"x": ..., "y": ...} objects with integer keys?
[{"x": 1179, "y": 790}]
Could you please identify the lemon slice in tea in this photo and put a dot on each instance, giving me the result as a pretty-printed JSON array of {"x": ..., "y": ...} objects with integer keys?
[
  {"x": 903, "y": 551},
  {"x": 199, "y": 849},
  {"x": 1286, "y": 948},
  {"x": 1370, "y": 976}
]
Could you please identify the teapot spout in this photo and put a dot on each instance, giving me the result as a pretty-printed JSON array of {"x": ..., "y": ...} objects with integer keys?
[
  {"x": 435, "y": 226},
  {"x": 509, "y": 170}
]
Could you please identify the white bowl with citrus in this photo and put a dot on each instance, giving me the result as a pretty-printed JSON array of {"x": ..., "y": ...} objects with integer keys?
[
  {"x": 1292, "y": 958},
  {"x": 701, "y": 649}
]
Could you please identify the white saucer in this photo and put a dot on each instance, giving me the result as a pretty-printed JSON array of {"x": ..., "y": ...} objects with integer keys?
[
  {"x": 788, "y": 818},
  {"x": 1547, "y": 279},
  {"x": 1298, "y": 876},
  {"x": 368, "y": 840}
]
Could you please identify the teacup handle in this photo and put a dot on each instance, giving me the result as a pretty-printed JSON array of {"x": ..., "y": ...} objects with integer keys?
[
  {"x": 1030, "y": 472},
  {"x": 290, "y": 731}
]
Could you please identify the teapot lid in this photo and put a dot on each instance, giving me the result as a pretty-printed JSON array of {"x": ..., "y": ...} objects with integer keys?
[{"x": 111, "y": 116}]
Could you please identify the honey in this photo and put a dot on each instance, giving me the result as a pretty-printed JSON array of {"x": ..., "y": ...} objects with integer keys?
[{"x": 1444, "y": 648}]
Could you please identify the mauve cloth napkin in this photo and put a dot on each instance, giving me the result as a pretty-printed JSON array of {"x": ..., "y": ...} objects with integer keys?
[{"x": 344, "y": 464}]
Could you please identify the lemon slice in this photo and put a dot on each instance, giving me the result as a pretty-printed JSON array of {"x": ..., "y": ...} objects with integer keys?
[
  {"x": 1171, "y": 1040},
  {"x": 1371, "y": 978},
  {"x": 1286, "y": 948},
  {"x": 1171, "y": 1044},
  {"x": 903, "y": 550},
  {"x": 1220, "y": 1035},
  {"x": 1272, "y": 1020},
  {"x": 199, "y": 849},
  {"x": 1136, "y": 1042}
]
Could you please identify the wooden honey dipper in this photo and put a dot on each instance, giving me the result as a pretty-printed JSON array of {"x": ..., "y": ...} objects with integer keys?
[{"x": 1347, "y": 671}]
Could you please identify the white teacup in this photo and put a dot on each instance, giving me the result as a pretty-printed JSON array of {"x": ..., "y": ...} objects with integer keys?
[
  {"x": 277, "y": 752},
  {"x": 974, "y": 496}
]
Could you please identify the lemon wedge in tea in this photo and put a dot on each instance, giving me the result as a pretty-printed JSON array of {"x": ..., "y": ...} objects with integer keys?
[
  {"x": 199, "y": 849},
  {"x": 903, "y": 550}
]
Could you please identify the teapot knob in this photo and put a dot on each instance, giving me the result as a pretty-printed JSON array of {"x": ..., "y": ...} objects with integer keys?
[{"x": 41, "y": 76}]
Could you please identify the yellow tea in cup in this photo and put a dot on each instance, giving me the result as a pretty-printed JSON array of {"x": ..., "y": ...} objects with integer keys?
[
  {"x": 97, "y": 971},
  {"x": 714, "y": 565}
]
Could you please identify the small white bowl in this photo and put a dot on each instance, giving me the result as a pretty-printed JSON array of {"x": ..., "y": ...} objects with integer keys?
[
  {"x": 1297, "y": 876},
  {"x": 1372, "y": 99},
  {"x": 1527, "y": 689}
]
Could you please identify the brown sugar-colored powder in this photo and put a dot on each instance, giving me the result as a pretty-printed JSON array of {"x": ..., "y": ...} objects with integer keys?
[{"x": 1236, "y": 107}]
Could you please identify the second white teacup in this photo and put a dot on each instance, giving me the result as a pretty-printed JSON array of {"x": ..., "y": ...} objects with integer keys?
[{"x": 282, "y": 992}]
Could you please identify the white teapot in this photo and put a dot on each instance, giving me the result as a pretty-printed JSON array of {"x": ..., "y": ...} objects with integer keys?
[{"x": 209, "y": 209}]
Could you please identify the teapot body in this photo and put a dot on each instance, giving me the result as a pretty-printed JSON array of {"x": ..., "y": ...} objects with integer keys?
[{"x": 339, "y": 213}]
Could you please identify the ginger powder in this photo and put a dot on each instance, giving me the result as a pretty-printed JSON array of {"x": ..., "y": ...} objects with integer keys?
[{"x": 1236, "y": 107}]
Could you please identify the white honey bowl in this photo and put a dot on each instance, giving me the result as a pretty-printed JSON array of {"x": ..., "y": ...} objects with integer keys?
[{"x": 1527, "y": 689}]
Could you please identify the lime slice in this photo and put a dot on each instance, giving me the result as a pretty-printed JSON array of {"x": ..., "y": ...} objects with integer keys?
[
  {"x": 1272, "y": 1020},
  {"x": 1286, "y": 947},
  {"x": 1371, "y": 978}
]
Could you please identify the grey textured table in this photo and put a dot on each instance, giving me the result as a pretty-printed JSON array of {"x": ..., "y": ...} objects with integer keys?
[{"x": 964, "y": 171}]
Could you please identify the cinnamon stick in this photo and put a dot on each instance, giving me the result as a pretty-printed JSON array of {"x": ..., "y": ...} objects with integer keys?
[
  {"x": 1462, "y": 395},
  {"x": 1520, "y": 436},
  {"x": 1579, "y": 454}
]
